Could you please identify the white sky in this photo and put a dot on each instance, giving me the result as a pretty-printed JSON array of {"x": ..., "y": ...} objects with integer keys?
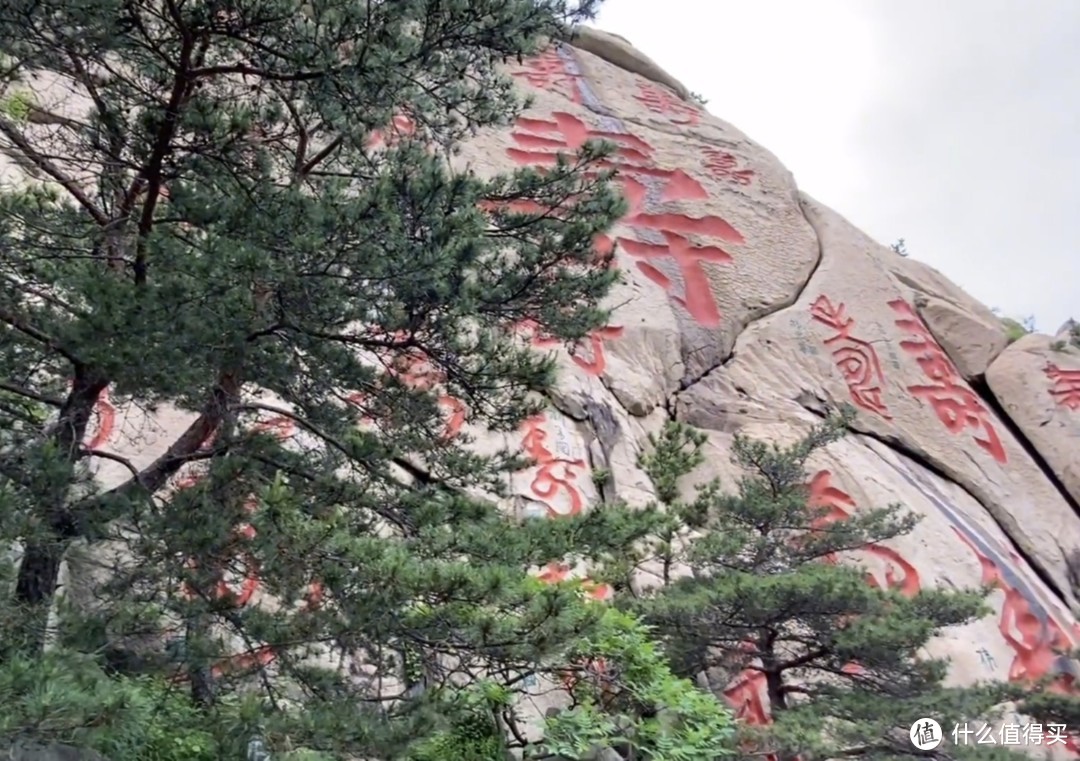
[{"x": 954, "y": 124}]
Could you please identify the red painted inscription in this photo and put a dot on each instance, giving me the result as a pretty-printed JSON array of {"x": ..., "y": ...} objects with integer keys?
[
  {"x": 697, "y": 298},
  {"x": 556, "y": 572},
  {"x": 899, "y": 573},
  {"x": 1036, "y": 641},
  {"x": 541, "y": 140},
  {"x": 746, "y": 693},
  {"x": 1066, "y": 386},
  {"x": 415, "y": 370},
  {"x": 240, "y": 592},
  {"x": 660, "y": 100},
  {"x": 856, "y": 359},
  {"x": 954, "y": 403},
  {"x": 724, "y": 166},
  {"x": 747, "y": 698},
  {"x": 102, "y": 422},
  {"x": 400, "y": 126},
  {"x": 556, "y": 477},
  {"x": 587, "y": 354},
  {"x": 549, "y": 71}
]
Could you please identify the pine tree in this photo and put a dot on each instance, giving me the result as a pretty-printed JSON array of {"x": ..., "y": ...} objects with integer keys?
[
  {"x": 213, "y": 230},
  {"x": 840, "y": 659}
]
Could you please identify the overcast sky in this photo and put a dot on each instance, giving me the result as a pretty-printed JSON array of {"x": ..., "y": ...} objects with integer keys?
[{"x": 954, "y": 124}]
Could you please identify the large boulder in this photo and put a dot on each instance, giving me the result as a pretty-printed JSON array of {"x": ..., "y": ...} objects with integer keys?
[
  {"x": 1037, "y": 382},
  {"x": 748, "y": 307}
]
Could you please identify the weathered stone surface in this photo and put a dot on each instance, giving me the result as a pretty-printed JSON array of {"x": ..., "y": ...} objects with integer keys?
[
  {"x": 618, "y": 51},
  {"x": 971, "y": 339},
  {"x": 1039, "y": 388},
  {"x": 854, "y": 337},
  {"x": 748, "y": 307},
  {"x": 971, "y": 334},
  {"x": 714, "y": 239}
]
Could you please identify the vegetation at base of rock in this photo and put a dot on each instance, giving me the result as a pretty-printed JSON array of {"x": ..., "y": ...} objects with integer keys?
[
  {"x": 630, "y": 701},
  {"x": 67, "y": 697},
  {"x": 234, "y": 235},
  {"x": 840, "y": 659},
  {"x": 230, "y": 245},
  {"x": 474, "y": 732}
]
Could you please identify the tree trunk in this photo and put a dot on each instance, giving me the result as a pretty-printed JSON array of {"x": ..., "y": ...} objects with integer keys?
[{"x": 35, "y": 589}]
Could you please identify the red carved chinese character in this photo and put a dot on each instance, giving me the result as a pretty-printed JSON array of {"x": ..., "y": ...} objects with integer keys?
[
  {"x": 954, "y": 403},
  {"x": 556, "y": 475},
  {"x": 400, "y": 126},
  {"x": 282, "y": 426},
  {"x": 542, "y": 140},
  {"x": 838, "y": 506},
  {"x": 747, "y": 698},
  {"x": 248, "y": 586},
  {"x": 660, "y": 101},
  {"x": 722, "y": 165},
  {"x": 261, "y": 656},
  {"x": 908, "y": 579},
  {"x": 416, "y": 371},
  {"x": 594, "y": 362},
  {"x": 556, "y": 572},
  {"x": 359, "y": 400},
  {"x": 1066, "y": 388},
  {"x": 592, "y": 670},
  {"x": 104, "y": 418},
  {"x": 549, "y": 71},
  {"x": 855, "y": 358},
  {"x": 697, "y": 295},
  {"x": 1035, "y": 639}
]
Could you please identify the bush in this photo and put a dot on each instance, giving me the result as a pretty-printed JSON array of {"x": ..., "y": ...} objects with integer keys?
[{"x": 67, "y": 697}]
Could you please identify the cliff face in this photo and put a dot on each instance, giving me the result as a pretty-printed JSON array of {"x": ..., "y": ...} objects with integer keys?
[{"x": 749, "y": 307}]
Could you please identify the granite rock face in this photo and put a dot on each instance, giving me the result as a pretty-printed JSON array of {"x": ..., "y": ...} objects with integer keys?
[{"x": 749, "y": 306}]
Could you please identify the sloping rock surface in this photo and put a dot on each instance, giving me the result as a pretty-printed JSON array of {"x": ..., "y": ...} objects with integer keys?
[{"x": 747, "y": 307}]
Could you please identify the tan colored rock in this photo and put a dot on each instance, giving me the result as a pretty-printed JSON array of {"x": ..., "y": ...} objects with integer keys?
[
  {"x": 618, "y": 51},
  {"x": 971, "y": 339},
  {"x": 1039, "y": 388},
  {"x": 957, "y": 544},
  {"x": 971, "y": 334},
  {"x": 853, "y": 337},
  {"x": 714, "y": 239},
  {"x": 748, "y": 307}
]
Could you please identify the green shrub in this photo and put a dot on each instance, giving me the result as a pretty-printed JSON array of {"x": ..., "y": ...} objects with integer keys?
[{"x": 67, "y": 697}]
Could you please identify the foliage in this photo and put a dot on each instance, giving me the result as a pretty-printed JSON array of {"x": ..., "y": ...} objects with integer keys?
[
  {"x": 630, "y": 700},
  {"x": 68, "y": 697},
  {"x": 839, "y": 659},
  {"x": 1017, "y": 329},
  {"x": 17, "y": 105},
  {"x": 474, "y": 732},
  {"x": 242, "y": 238},
  {"x": 1072, "y": 339}
]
